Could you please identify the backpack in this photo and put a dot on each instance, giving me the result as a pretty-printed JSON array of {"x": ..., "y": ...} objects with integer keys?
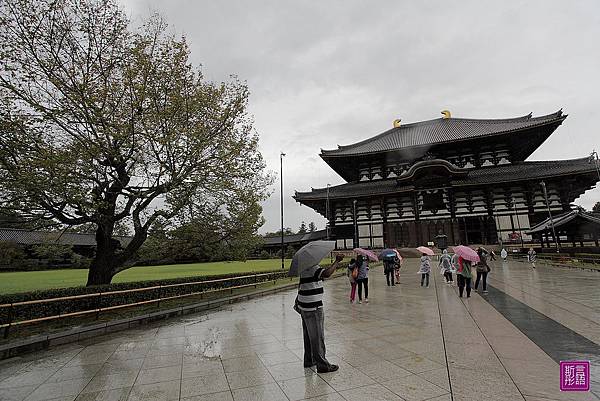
[{"x": 355, "y": 273}]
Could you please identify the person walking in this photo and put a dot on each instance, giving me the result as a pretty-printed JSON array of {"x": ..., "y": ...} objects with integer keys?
[
  {"x": 531, "y": 257},
  {"x": 397, "y": 269},
  {"x": 363, "y": 278},
  {"x": 464, "y": 276},
  {"x": 389, "y": 264},
  {"x": 352, "y": 274},
  {"x": 310, "y": 305},
  {"x": 445, "y": 266},
  {"x": 454, "y": 263},
  {"x": 482, "y": 269},
  {"x": 425, "y": 269}
]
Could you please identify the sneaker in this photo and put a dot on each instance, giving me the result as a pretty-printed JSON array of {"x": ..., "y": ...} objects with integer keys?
[
  {"x": 366, "y": 301},
  {"x": 331, "y": 368},
  {"x": 360, "y": 302},
  {"x": 485, "y": 292}
]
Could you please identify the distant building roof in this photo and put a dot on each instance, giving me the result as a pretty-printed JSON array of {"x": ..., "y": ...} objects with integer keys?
[
  {"x": 564, "y": 219},
  {"x": 296, "y": 238},
  {"x": 442, "y": 130},
  {"x": 486, "y": 175},
  {"x": 27, "y": 237}
]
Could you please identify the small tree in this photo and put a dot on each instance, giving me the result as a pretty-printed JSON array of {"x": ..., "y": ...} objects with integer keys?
[
  {"x": 289, "y": 252},
  {"x": 101, "y": 124},
  {"x": 312, "y": 227},
  {"x": 596, "y": 208},
  {"x": 302, "y": 229}
]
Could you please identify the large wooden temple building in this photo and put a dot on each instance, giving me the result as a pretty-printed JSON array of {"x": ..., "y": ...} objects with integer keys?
[{"x": 464, "y": 178}]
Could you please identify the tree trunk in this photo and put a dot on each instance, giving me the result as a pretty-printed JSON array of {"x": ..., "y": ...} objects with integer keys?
[{"x": 104, "y": 265}]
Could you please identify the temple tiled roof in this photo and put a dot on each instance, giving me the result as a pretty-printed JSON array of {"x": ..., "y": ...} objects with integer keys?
[
  {"x": 27, "y": 237},
  {"x": 442, "y": 130},
  {"x": 296, "y": 238},
  {"x": 565, "y": 218},
  {"x": 518, "y": 171}
]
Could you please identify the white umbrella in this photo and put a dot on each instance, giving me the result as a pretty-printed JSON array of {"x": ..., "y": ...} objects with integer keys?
[{"x": 310, "y": 255}]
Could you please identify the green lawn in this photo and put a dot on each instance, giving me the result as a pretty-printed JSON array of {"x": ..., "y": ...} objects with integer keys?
[{"x": 12, "y": 282}]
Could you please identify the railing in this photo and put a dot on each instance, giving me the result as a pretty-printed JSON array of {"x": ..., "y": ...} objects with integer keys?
[{"x": 100, "y": 295}]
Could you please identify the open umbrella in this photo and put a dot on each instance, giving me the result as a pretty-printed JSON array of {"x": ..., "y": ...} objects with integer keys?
[
  {"x": 466, "y": 253},
  {"x": 367, "y": 253},
  {"x": 390, "y": 253},
  {"x": 425, "y": 250},
  {"x": 310, "y": 255}
]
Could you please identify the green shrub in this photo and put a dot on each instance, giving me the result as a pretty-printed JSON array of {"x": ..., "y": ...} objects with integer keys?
[
  {"x": 11, "y": 255},
  {"x": 26, "y": 312},
  {"x": 54, "y": 253}
]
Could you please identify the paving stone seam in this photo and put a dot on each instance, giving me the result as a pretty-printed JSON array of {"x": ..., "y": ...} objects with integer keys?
[
  {"x": 272, "y": 377},
  {"x": 181, "y": 373},
  {"x": 443, "y": 337},
  {"x": 490, "y": 345}
]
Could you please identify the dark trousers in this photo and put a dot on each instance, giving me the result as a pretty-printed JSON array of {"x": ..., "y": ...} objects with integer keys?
[
  {"x": 448, "y": 276},
  {"x": 313, "y": 331},
  {"x": 462, "y": 282},
  {"x": 361, "y": 282},
  {"x": 483, "y": 277},
  {"x": 389, "y": 274},
  {"x": 425, "y": 277}
]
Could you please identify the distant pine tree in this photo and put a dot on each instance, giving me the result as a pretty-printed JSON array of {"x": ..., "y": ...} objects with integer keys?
[
  {"x": 302, "y": 229},
  {"x": 312, "y": 227}
]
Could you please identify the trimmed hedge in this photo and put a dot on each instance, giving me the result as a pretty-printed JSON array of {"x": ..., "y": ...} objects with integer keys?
[{"x": 34, "y": 311}]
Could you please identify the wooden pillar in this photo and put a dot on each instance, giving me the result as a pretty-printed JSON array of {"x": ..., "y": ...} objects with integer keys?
[
  {"x": 417, "y": 222},
  {"x": 383, "y": 209}
]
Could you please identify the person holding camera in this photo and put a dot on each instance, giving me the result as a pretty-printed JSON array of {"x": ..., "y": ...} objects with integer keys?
[{"x": 310, "y": 306}]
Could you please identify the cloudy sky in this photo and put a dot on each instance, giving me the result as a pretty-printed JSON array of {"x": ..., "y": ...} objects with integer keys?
[{"x": 324, "y": 73}]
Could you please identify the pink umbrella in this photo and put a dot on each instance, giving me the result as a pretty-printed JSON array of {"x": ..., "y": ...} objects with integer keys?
[
  {"x": 466, "y": 253},
  {"x": 366, "y": 253},
  {"x": 425, "y": 250}
]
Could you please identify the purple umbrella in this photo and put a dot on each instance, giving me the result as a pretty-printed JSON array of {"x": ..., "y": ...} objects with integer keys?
[{"x": 367, "y": 253}]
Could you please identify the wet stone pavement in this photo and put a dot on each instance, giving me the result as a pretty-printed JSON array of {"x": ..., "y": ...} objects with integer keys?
[{"x": 409, "y": 343}]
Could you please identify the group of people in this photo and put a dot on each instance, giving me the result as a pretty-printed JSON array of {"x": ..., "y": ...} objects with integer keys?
[
  {"x": 461, "y": 267},
  {"x": 358, "y": 274},
  {"x": 310, "y": 291}
]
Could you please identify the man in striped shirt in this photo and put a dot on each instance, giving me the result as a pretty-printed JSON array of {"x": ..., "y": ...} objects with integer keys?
[{"x": 310, "y": 304}]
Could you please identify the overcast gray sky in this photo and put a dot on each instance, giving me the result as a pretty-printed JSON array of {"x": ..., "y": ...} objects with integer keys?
[{"x": 323, "y": 73}]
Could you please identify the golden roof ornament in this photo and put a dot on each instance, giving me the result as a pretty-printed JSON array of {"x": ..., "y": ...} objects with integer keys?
[
  {"x": 446, "y": 113},
  {"x": 397, "y": 123}
]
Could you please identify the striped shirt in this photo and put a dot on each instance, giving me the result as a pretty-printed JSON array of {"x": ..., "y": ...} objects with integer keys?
[{"x": 310, "y": 290}]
